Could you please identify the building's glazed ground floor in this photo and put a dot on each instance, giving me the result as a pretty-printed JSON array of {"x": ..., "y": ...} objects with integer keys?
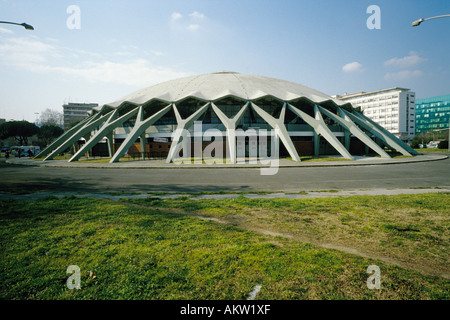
[
  {"x": 249, "y": 131},
  {"x": 306, "y": 144}
]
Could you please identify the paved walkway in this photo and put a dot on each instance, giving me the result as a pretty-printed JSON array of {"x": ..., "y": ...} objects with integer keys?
[{"x": 161, "y": 164}]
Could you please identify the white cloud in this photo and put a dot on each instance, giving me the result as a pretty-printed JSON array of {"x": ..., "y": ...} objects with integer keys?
[
  {"x": 193, "y": 27},
  {"x": 123, "y": 53},
  {"x": 26, "y": 52},
  {"x": 175, "y": 16},
  {"x": 133, "y": 51},
  {"x": 403, "y": 75},
  {"x": 6, "y": 31},
  {"x": 353, "y": 67},
  {"x": 157, "y": 53},
  {"x": 138, "y": 72},
  {"x": 36, "y": 56},
  {"x": 405, "y": 62},
  {"x": 193, "y": 22},
  {"x": 197, "y": 15}
]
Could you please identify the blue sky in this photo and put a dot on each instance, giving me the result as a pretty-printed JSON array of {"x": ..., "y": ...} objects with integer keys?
[{"x": 123, "y": 46}]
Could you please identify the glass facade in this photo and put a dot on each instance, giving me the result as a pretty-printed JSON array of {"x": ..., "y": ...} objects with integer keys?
[{"x": 432, "y": 113}]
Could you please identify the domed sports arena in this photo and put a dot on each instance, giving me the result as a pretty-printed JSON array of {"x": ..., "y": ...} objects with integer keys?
[{"x": 228, "y": 109}]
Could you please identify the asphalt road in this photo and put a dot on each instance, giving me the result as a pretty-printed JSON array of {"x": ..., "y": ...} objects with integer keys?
[{"x": 90, "y": 180}]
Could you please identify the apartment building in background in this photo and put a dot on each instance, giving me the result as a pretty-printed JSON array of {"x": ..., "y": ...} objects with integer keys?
[
  {"x": 74, "y": 112},
  {"x": 393, "y": 109}
]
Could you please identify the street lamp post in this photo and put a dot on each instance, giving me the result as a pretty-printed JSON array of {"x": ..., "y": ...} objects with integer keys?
[
  {"x": 25, "y": 25},
  {"x": 418, "y": 22}
]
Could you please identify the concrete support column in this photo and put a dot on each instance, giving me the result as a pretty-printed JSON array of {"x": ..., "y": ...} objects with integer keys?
[
  {"x": 86, "y": 139},
  {"x": 276, "y": 145},
  {"x": 179, "y": 136},
  {"x": 375, "y": 129},
  {"x": 110, "y": 140},
  {"x": 280, "y": 129},
  {"x": 345, "y": 121},
  {"x": 64, "y": 137},
  {"x": 230, "y": 125},
  {"x": 108, "y": 131},
  {"x": 320, "y": 128},
  {"x": 143, "y": 142},
  {"x": 347, "y": 136},
  {"x": 93, "y": 122},
  {"x": 231, "y": 141},
  {"x": 316, "y": 144},
  {"x": 138, "y": 129}
]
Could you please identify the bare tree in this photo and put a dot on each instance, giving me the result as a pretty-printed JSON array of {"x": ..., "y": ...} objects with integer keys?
[{"x": 51, "y": 117}]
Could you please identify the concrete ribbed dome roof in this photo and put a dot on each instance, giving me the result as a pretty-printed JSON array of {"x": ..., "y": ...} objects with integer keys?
[{"x": 214, "y": 86}]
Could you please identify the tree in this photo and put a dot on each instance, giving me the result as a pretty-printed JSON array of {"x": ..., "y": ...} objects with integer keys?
[
  {"x": 48, "y": 132},
  {"x": 443, "y": 145},
  {"x": 51, "y": 117},
  {"x": 19, "y": 130},
  {"x": 421, "y": 139}
]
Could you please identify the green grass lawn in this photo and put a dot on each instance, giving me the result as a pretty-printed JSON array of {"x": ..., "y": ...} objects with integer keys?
[
  {"x": 156, "y": 249},
  {"x": 432, "y": 150}
]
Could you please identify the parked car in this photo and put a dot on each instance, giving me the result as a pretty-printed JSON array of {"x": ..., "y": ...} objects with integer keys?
[
  {"x": 4, "y": 151},
  {"x": 25, "y": 151},
  {"x": 433, "y": 144}
]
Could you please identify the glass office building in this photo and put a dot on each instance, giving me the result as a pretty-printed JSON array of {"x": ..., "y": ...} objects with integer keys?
[{"x": 432, "y": 113}]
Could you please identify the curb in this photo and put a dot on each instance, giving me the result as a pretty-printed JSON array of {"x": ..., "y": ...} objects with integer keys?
[{"x": 361, "y": 162}]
